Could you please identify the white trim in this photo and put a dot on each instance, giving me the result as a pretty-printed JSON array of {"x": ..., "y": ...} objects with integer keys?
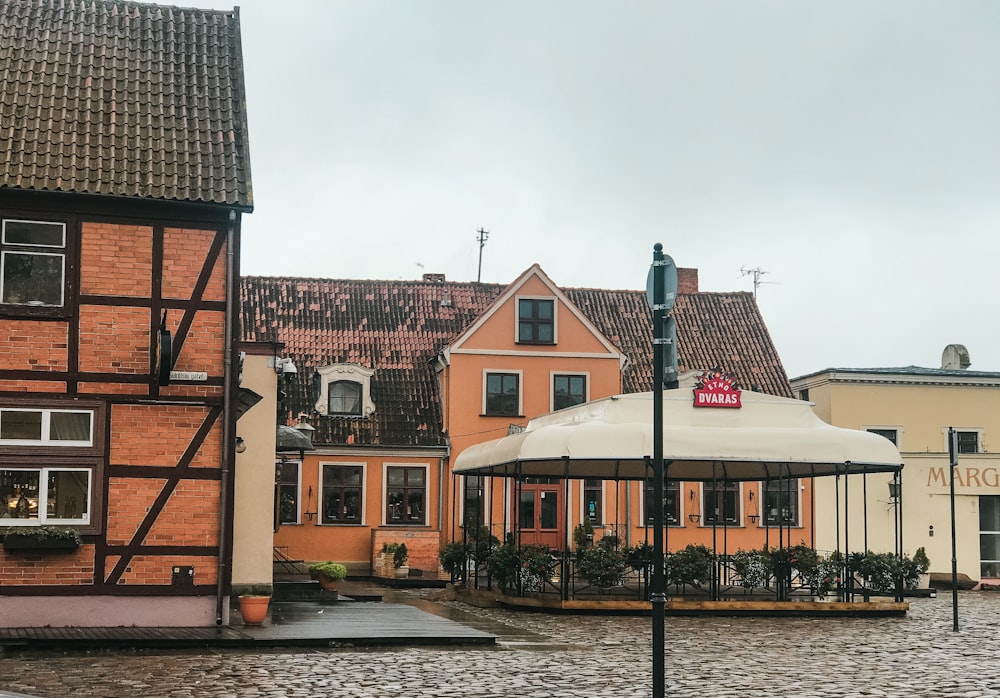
[
  {"x": 740, "y": 518},
  {"x": 345, "y": 372},
  {"x": 980, "y": 444},
  {"x": 536, "y": 272},
  {"x": 385, "y": 490},
  {"x": 46, "y": 419},
  {"x": 62, "y": 277},
  {"x": 517, "y": 319},
  {"x": 552, "y": 385},
  {"x": 43, "y": 518},
  {"x": 321, "y": 505},
  {"x": 520, "y": 390},
  {"x": 3, "y": 235},
  {"x": 547, "y": 354}
]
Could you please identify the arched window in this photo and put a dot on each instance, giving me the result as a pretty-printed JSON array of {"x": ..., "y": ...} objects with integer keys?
[{"x": 345, "y": 398}]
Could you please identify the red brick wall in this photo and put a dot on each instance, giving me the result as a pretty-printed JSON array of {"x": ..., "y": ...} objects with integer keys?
[
  {"x": 116, "y": 260},
  {"x": 30, "y": 569},
  {"x": 421, "y": 546},
  {"x": 33, "y": 386},
  {"x": 115, "y": 340},
  {"x": 184, "y": 253},
  {"x": 150, "y": 569},
  {"x": 191, "y": 516},
  {"x": 35, "y": 346},
  {"x": 159, "y": 435}
]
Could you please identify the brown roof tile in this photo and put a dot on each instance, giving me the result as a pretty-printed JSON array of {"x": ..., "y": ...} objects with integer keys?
[
  {"x": 398, "y": 327},
  {"x": 123, "y": 99}
]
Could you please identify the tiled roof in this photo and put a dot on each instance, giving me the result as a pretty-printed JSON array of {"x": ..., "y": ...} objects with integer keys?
[
  {"x": 123, "y": 99},
  {"x": 398, "y": 327}
]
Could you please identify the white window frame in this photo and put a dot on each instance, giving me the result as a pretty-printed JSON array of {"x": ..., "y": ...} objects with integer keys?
[
  {"x": 345, "y": 372},
  {"x": 21, "y": 248},
  {"x": 552, "y": 385},
  {"x": 517, "y": 319},
  {"x": 43, "y": 494},
  {"x": 46, "y": 439},
  {"x": 385, "y": 493},
  {"x": 322, "y": 493}
]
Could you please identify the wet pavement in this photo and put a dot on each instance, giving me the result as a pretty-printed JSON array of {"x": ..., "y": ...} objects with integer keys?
[{"x": 570, "y": 655}]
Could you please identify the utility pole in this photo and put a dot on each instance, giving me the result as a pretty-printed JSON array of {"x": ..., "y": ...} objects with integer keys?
[{"x": 482, "y": 236}]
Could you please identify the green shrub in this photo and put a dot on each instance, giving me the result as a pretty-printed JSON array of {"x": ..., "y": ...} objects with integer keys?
[
  {"x": 330, "y": 570},
  {"x": 400, "y": 556},
  {"x": 531, "y": 565},
  {"x": 639, "y": 556},
  {"x": 453, "y": 557},
  {"x": 752, "y": 568},
  {"x": 691, "y": 566},
  {"x": 601, "y": 566}
]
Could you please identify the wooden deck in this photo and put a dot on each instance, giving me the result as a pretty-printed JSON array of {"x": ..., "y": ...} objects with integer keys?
[{"x": 298, "y": 623}]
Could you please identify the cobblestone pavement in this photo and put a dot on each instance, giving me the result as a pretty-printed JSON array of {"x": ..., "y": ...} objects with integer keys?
[{"x": 542, "y": 655}]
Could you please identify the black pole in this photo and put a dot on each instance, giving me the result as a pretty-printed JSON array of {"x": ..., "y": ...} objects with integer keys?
[
  {"x": 658, "y": 597},
  {"x": 953, "y": 462}
]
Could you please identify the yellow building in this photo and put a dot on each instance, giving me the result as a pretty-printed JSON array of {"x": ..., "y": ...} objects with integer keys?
[{"x": 915, "y": 407}]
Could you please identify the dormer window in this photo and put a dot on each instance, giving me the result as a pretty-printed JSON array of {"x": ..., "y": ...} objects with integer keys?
[
  {"x": 536, "y": 321},
  {"x": 344, "y": 391},
  {"x": 345, "y": 398}
]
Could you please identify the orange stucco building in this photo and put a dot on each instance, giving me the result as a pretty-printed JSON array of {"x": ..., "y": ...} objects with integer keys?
[{"x": 397, "y": 378}]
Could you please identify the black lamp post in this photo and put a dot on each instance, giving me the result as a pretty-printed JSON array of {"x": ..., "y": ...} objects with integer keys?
[{"x": 661, "y": 292}]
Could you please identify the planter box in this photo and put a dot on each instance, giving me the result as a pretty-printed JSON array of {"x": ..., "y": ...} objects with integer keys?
[{"x": 28, "y": 542}]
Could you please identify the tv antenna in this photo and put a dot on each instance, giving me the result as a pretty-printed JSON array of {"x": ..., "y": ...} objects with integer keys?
[
  {"x": 756, "y": 273},
  {"x": 482, "y": 236}
]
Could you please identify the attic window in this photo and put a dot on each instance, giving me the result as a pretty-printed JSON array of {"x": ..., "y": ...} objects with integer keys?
[
  {"x": 536, "y": 320},
  {"x": 344, "y": 390},
  {"x": 345, "y": 398}
]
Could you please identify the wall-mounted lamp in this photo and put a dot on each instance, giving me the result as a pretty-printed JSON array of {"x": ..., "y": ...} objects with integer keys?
[
  {"x": 753, "y": 516},
  {"x": 241, "y": 445},
  {"x": 694, "y": 518},
  {"x": 691, "y": 496}
]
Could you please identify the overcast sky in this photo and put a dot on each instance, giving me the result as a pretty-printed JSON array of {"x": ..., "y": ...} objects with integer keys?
[{"x": 849, "y": 149}]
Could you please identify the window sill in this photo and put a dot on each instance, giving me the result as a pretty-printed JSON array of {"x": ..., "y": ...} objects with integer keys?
[{"x": 504, "y": 416}]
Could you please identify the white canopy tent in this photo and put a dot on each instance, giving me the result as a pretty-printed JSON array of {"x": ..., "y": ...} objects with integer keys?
[{"x": 767, "y": 438}]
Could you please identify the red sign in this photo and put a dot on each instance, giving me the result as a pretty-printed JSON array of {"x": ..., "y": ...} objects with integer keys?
[{"x": 716, "y": 388}]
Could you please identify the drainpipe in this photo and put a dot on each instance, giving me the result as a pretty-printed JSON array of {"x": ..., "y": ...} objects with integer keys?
[{"x": 227, "y": 426}]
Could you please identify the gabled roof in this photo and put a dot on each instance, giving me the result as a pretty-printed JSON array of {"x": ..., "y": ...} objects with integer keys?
[
  {"x": 511, "y": 291},
  {"x": 123, "y": 99},
  {"x": 399, "y": 327}
]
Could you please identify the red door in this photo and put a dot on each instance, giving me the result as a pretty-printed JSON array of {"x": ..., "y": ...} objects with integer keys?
[{"x": 541, "y": 513}]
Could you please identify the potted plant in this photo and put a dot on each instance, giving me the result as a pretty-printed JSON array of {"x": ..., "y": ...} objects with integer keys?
[
  {"x": 751, "y": 567},
  {"x": 253, "y": 608},
  {"x": 37, "y": 538},
  {"x": 400, "y": 556},
  {"x": 327, "y": 573},
  {"x": 383, "y": 562}
]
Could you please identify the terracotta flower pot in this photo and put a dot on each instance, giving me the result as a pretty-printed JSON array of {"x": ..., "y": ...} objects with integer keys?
[
  {"x": 254, "y": 609},
  {"x": 326, "y": 582}
]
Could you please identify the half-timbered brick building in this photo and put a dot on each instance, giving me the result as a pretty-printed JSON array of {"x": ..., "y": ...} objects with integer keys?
[{"x": 125, "y": 171}]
